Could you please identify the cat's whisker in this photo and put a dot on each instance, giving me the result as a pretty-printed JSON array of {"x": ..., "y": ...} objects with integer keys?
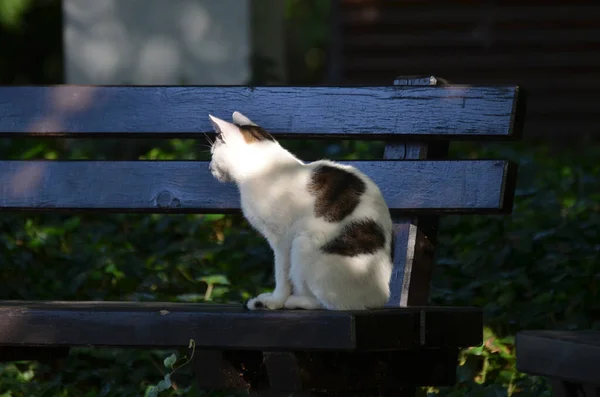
[{"x": 208, "y": 139}]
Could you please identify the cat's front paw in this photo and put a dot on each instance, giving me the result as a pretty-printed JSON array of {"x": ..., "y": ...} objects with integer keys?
[{"x": 266, "y": 301}]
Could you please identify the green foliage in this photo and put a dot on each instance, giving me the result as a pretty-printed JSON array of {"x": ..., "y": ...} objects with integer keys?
[
  {"x": 31, "y": 42},
  {"x": 171, "y": 363},
  {"x": 534, "y": 269},
  {"x": 11, "y": 12},
  {"x": 188, "y": 258},
  {"x": 308, "y": 26}
]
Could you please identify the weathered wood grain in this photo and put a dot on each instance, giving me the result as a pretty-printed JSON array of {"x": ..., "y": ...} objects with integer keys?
[
  {"x": 414, "y": 238},
  {"x": 350, "y": 112},
  {"x": 185, "y": 186},
  {"x": 136, "y": 324}
]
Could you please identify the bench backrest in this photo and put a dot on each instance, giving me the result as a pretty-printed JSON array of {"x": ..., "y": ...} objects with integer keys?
[{"x": 416, "y": 121}]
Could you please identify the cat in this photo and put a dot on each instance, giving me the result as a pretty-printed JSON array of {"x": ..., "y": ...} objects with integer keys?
[{"x": 327, "y": 223}]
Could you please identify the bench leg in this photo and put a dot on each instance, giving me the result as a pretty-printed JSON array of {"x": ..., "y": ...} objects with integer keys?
[
  {"x": 410, "y": 392},
  {"x": 229, "y": 370},
  {"x": 304, "y": 374},
  {"x": 563, "y": 388},
  {"x": 284, "y": 371},
  {"x": 277, "y": 393}
]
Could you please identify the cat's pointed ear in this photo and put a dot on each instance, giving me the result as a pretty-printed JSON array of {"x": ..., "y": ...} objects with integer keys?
[
  {"x": 240, "y": 119},
  {"x": 226, "y": 129}
]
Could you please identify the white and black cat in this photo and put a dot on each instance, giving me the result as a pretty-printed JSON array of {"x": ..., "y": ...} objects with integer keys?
[{"x": 328, "y": 224}]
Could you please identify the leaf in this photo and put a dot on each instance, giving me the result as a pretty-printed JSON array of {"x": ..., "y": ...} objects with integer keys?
[
  {"x": 476, "y": 351},
  {"x": 215, "y": 279},
  {"x": 151, "y": 392},
  {"x": 543, "y": 234},
  {"x": 190, "y": 297},
  {"x": 169, "y": 361},
  {"x": 164, "y": 384},
  {"x": 213, "y": 217},
  {"x": 569, "y": 202},
  {"x": 11, "y": 11}
]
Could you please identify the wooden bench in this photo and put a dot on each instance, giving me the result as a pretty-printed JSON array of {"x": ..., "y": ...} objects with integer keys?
[
  {"x": 392, "y": 350},
  {"x": 570, "y": 359}
]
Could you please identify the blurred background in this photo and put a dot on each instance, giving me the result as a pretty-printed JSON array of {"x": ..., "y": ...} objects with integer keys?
[{"x": 534, "y": 269}]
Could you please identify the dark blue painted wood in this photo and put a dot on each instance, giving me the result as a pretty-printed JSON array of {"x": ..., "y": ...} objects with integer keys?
[
  {"x": 180, "y": 186},
  {"x": 452, "y": 111},
  {"x": 414, "y": 236},
  {"x": 562, "y": 355}
]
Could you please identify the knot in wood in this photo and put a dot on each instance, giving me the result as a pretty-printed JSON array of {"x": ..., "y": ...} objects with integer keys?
[{"x": 166, "y": 199}]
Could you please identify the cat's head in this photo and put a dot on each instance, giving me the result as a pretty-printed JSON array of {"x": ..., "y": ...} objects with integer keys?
[{"x": 240, "y": 148}]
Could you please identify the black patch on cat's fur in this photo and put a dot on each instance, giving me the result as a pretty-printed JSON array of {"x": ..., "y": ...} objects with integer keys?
[
  {"x": 337, "y": 191},
  {"x": 254, "y": 133},
  {"x": 363, "y": 236},
  {"x": 258, "y": 305}
]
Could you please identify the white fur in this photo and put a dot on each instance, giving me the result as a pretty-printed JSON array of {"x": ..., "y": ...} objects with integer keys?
[
  {"x": 240, "y": 119},
  {"x": 275, "y": 200}
]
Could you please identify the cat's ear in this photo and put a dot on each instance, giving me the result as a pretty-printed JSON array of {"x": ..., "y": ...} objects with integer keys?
[
  {"x": 227, "y": 130},
  {"x": 240, "y": 119}
]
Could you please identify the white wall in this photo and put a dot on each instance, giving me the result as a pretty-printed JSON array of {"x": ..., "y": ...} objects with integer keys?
[{"x": 157, "y": 41}]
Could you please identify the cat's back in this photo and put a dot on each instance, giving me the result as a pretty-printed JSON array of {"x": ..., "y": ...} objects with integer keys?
[{"x": 342, "y": 191}]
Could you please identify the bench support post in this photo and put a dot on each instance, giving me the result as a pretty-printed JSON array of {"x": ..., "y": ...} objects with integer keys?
[
  {"x": 229, "y": 370},
  {"x": 563, "y": 388},
  {"x": 414, "y": 237}
]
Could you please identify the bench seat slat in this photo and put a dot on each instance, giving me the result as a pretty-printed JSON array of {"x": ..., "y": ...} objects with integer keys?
[
  {"x": 128, "y": 324},
  {"x": 566, "y": 355},
  {"x": 481, "y": 186},
  {"x": 339, "y": 112}
]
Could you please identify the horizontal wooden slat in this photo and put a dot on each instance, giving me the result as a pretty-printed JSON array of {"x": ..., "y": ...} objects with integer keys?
[
  {"x": 549, "y": 47},
  {"x": 566, "y": 355},
  {"x": 126, "y": 324},
  {"x": 540, "y": 83},
  {"x": 530, "y": 78},
  {"x": 351, "y": 112},
  {"x": 186, "y": 186}
]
